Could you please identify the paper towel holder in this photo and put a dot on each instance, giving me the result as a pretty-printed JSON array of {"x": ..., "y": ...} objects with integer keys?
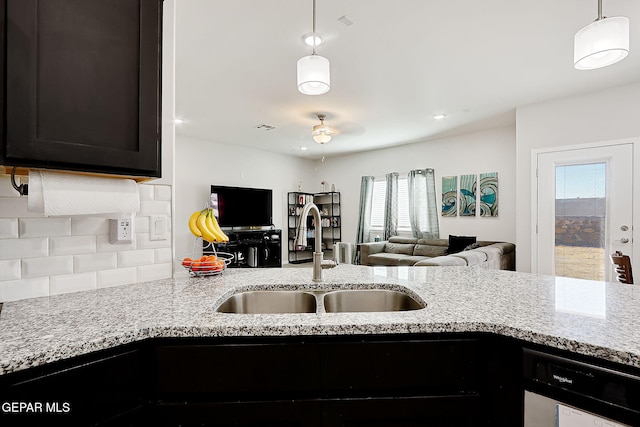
[{"x": 23, "y": 189}]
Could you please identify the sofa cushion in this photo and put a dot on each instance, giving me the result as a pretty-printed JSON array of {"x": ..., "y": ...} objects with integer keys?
[
  {"x": 472, "y": 257},
  {"x": 492, "y": 252},
  {"x": 434, "y": 242},
  {"x": 458, "y": 243},
  {"x": 430, "y": 250},
  {"x": 411, "y": 260},
  {"x": 384, "y": 258},
  {"x": 442, "y": 261},
  {"x": 399, "y": 239},
  {"x": 399, "y": 248}
]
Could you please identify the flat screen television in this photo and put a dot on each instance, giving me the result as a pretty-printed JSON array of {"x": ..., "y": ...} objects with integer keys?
[{"x": 241, "y": 207}]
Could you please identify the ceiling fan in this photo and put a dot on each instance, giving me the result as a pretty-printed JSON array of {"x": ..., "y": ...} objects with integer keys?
[{"x": 322, "y": 133}]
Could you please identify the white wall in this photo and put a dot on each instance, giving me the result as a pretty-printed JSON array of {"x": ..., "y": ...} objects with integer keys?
[
  {"x": 472, "y": 153},
  {"x": 200, "y": 163},
  {"x": 595, "y": 117}
]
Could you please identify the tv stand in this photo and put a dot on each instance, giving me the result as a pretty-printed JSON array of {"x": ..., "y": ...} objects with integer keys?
[{"x": 253, "y": 248}]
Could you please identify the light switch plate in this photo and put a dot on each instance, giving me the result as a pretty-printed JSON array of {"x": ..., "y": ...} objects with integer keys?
[{"x": 158, "y": 227}]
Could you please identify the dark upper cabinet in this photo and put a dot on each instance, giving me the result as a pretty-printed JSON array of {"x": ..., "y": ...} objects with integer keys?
[{"x": 82, "y": 85}]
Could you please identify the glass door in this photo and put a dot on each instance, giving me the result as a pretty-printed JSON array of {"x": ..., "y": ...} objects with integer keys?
[{"x": 584, "y": 210}]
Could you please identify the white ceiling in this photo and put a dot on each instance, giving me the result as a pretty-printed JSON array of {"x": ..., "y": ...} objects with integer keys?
[{"x": 400, "y": 63}]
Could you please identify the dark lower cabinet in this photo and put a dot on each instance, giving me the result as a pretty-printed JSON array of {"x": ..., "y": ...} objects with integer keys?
[
  {"x": 341, "y": 381},
  {"x": 81, "y": 84},
  {"x": 88, "y": 390},
  {"x": 333, "y": 381}
]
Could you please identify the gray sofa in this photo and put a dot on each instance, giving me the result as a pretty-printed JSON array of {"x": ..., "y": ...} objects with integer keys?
[{"x": 433, "y": 252}]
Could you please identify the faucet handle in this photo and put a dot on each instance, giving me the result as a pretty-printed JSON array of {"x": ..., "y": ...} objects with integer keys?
[{"x": 336, "y": 256}]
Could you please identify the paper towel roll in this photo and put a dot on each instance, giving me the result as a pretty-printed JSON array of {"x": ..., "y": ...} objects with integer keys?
[{"x": 55, "y": 193}]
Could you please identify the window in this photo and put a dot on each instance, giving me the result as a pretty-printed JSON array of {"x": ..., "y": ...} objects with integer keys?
[{"x": 377, "y": 205}]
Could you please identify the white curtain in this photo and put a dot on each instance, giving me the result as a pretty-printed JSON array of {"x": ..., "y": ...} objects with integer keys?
[
  {"x": 391, "y": 206},
  {"x": 423, "y": 209}
]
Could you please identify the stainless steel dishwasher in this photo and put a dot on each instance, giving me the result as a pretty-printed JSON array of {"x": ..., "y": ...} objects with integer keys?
[{"x": 561, "y": 392}]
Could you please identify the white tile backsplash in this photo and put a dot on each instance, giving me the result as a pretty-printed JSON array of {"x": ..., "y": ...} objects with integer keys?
[
  {"x": 94, "y": 262},
  {"x": 162, "y": 192},
  {"x": 8, "y": 228},
  {"x": 14, "y": 207},
  {"x": 72, "y": 245},
  {"x": 10, "y": 269},
  {"x": 146, "y": 192},
  {"x": 162, "y": 255},
  {"x": 117, "y": 276},
  {"x": 72, "y": 283},
  {"x": 45, "y": 227},
  {"x": 154, "y": 272},
  {"x": 155, "y": 207},
  {"x": 47, "y": 266},
  {"x": 135, "y": 258},
  {"x": 20, "y": 289},
  {"x": 103, "y": 244},
  {"x": 24, "y": 248},
  {"x": 42, "y": 255},
  {"x": 89, "y": 225}
]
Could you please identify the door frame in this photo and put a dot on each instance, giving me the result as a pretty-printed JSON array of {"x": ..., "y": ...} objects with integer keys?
[{"x": 635, "y": 142}]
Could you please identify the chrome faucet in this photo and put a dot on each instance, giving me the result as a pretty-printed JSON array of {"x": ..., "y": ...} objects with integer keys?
[{"x": 301, "y": 240}]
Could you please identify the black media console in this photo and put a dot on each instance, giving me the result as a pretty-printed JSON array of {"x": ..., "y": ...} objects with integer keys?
[{"x": 253, "y": 248}]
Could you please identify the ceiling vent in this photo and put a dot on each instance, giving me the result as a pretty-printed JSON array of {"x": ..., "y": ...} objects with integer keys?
[{"x": 264, "y": 127}]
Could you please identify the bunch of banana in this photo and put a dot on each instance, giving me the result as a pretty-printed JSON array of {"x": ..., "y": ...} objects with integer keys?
[{"x": 204, "y": 224}]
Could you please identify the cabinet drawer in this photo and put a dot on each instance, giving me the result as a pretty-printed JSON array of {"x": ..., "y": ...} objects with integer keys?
[
  {"x": 221, "y": 372},
  {"x": 401, "y": 368}
]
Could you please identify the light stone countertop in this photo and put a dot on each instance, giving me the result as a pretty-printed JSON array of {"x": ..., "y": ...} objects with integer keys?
[{"x": 590, "y": 318}]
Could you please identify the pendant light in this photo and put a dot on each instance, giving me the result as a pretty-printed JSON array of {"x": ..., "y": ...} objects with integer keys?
[
  {"x": 322, "y": 133},
  {"x": 313, "y": 70},
  {"x": 603, "y": 42}
]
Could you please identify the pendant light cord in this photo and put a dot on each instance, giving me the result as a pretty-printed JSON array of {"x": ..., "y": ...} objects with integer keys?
[
  {"x": 599, "y": 10},
  {"x": 313, "y": 28}
]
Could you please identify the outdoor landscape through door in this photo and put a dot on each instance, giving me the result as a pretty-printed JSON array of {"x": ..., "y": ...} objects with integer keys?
[{"x": 584, "y": 210}]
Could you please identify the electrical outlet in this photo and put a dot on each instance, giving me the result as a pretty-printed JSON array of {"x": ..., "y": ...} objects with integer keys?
[{"x": 121, "y": 230}]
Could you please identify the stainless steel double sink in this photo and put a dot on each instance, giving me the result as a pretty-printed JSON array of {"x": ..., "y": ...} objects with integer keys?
[{"x": 332, "y": 301}]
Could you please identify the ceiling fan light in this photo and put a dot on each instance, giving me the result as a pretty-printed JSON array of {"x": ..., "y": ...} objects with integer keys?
[
  {"x": 314, "y": 76},
  {"x": 322, "y": 138},
  {"x": 601, "y": 43}
]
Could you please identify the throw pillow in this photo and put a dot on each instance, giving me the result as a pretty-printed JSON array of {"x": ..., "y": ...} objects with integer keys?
[
  {"x": 458, "y": 243},
  {"x": 472, "y": 246}
]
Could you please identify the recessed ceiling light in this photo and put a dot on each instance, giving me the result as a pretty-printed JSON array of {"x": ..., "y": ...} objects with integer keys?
[
  {"x": 303, "y": 148},
  {"x": 178, "y": 121},
  {"x": 312, "y": 40},
  {"x": 439, "y": 116}
]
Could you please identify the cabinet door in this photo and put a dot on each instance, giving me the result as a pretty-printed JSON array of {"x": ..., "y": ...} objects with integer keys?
[
  {"x": 80, "y": 392},
  {"x": 289, "y": 413},
  {"x": 402, "y": 368},
  {"x": 405, "y": 412},
  {"x": 83, "y": 85},
  {"x": 225, "y": 372}
]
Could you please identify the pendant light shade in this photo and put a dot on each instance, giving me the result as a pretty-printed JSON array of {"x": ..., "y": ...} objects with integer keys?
[
  {"x": 603, "y": 42},
  {"x": 314, "y": 76}
]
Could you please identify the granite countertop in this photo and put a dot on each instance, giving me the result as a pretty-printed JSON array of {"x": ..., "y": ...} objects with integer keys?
[{"x": 591, "y": 318}]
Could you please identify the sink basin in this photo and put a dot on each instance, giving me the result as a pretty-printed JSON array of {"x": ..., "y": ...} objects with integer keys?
[
  {"x": 369, "y": 300},
  {"x": 269, "y": 302}
]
